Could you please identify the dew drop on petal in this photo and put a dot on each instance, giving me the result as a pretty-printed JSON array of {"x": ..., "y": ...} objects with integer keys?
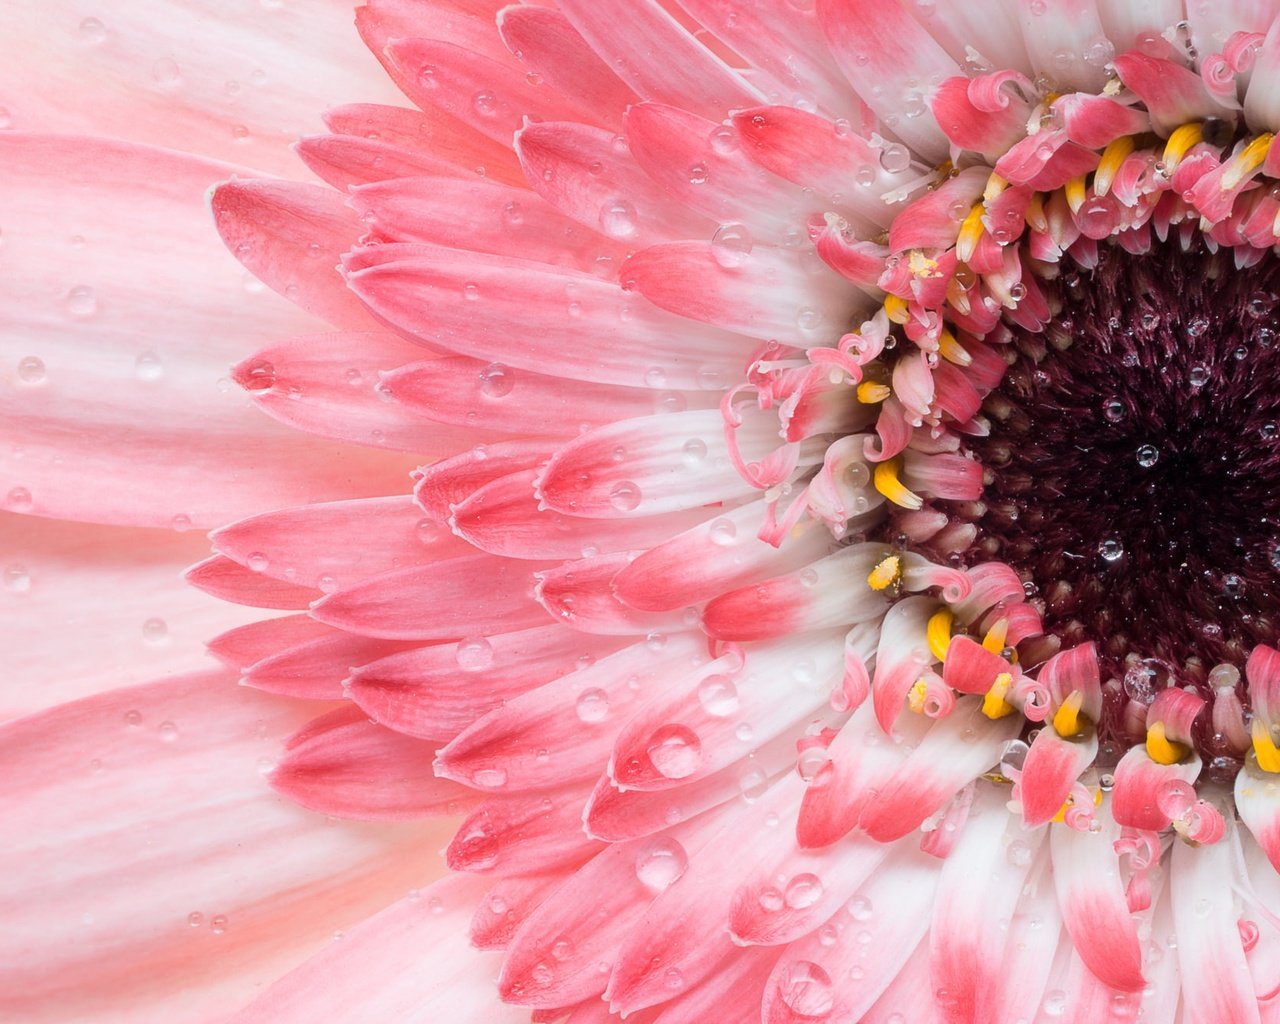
[
  {"x": 625, "y": 496},
  {"x": 82, "y": 301},
  {"x": 731, "y": 245},
  {"x": 148, "y": 366},
  {"x": 718, "y": 695},
  {"x": 18, "y": 499},
  {"x": 660, "y": 862},
  {"x": 31, "y": 370},
  {"x": 723, "y": 532},
  {"x": 803, "y": 891},
  {"x": 155, "y": 631},
  {"x": 1110, "y": 550},
  {"x": 490, "y": 778},
  {"x": 592, "y": 705},
  {"x": 675, "y": 751},
  {"x": 806, "y": 990},
  {"x": 618, "y": 219},
  {"x": 474, "y": 654}
]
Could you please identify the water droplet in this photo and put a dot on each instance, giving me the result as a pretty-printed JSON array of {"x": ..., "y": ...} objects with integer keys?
[
  {"x": 18, "y": 499},
  {"x": 660, "y": 862},
  {"x": 259, "y": 376},
  {"x": 490, "y": 778},
  {"x": 82, "y": 301},
  {"x": 166, "y": 72},
  {"x": 1018, "y": 854},
  {"x": 723, "y": 139},
  {"x": 167, "y": 731},
  {"x": 155, "y": 631},
  {"x": 195, "y": 919},
  {"x": 218, "y": 924},
  {"x": 806, "y": 989},
  {"x": 675, "y": 751},
  {"x": 496, "y": 380},
  {"x": 1111, "y": 549},
  {"x": 731, "y": 245},
  {"x": 698, "y": 174},
  {"x": 471, "y": 291},
  {"x": 474, "y": 654},
  {"x": 92, "y": 31},
  {"x": 895, "y": 157},
  {"x": 624, "y": 496},
  {"x": 257, "y": 561},
  {"x": 1148, "y": 455},
  {"x": 133, "y": 719},
  {"x": 148, "y": 366},
  {"x": 485, "y": 104},
  {"x": 592, "y": 705},
  {"x": 618, "y": 219},
  {"x": 1199, "y": 376},
  {"x": 17, "y": 579},
  {"x": 31, "y": 370},
  {"x": 718, "y": 695},
  {"x": 723, "y": 532},
  {"x": 1113, "y": 410},
  {"x": 803, "y": 891},
  {"x": 1197, "y": 327}
]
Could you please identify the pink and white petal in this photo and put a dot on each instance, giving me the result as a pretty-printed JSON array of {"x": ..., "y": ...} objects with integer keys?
[
  {"x": 493, "y": 396},
  {"x": 588, "y": 175},
  {"x": 586, "y": 328},
  {"x": 481, "y": 216},
  {"x": 1034, "y": 933},
  {"x": 378, "y": 971},
  {"x": 309, "y": 544},
  {"x": 456, "y": 597},
  {"x": 239, "y": 648},
  {"x": 318, "y": 669},
  {"x": 523, "y": 833},
  {"x": 438, "y": 691},
  {"x": 156, "y": 86},
  {"x": 451, "y": 481},
  {"x": 1127, "y": 23},
  {"x": 859, "y": 953},
  {"x": 562, "y": 731},
  {"x": 909, "y": 996},
  {"x": 1051, "y": 768},
  {"x": 231, "y": 581},
  {"x": 1257, "y": 798},
  {"x": 1086, "y": 875},
  {"x": 657, "y": 58},
  {"x": 547, "y": 44},
  {"x": 1172, "y": 94},
  {"x": 1216, "y": 985},
  {"x": 731, "y": 995},
  {"x": 507, "y": 905},
  {"x": 580, "y": 594},
  {"x": 713, "y": 558},
  {"x": 343, "y": 765},
  {"x": 1065, "y": 41},
  {"x": 470, "y": 23},
  {"x": 982, "y": 883},
  {"x": 650, "y": 466},
  {"x": 893, "y": 63},
  {"x": 990, "y": 30},
  {"x": 772, "y": 293},
  {"x": 348, "y": 161},
  {"x": 114, "y": 885},
  {"x": 290, "y": 235},
  {"x": 117, "y": 590},
  {"x": 1213, "y": 24},
  {"x": 1140, "y": 782},
  {"x": 133, "y": 381}
]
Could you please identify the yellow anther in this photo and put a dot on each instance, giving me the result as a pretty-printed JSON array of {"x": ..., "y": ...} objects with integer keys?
[
  {"x": 994, "y": 640},
  {"x": 1066, "y": 720},
  {"x": 1035, "y": 216},
  {"x": 1113, "y": 156},
  {"x": 921, "y": 265},
  {"x": 952, "y": 351},
  {"x": 916, "y": 696},
  {"x": 1160, "y": 748},
  {"x": 1249, "y": 159},
  {"x": 888, "y": 484},
  {"x": 895, "y": 308},
  {"x": 994, "y": 704},
  {"x": 1074, "y": 191},
  {"x": 970, "y": 233},
  {"x": 995, "y": 185},
  {"x": 938, "y": 632},
  {"x": 1180, "y": 141},
  {"x": 1264, "y": 748},
  {"x": 872, "y": 392},
  {"x": 886, "y": 573}
]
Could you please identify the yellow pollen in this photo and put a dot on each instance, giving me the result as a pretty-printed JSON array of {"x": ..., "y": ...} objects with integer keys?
[
  {"x": 994, "y": 704},
  {"x": 886, "y": 573},
  {"x": 1113, "y": 156},
  {"x": 995, "y": 185},
  {"x": 1264, "y": 748},
  {"x": 952, "y": 351},
  {"x": 1249, "y": 160},
  {"x": 994, "y": 640},
  {"x": 871, "y": 392},
  {"x": 1035, "y": 216},
  {"x": 920, "y": 264},
  {"x": 888, "y": 484},
  {"x": 1074, "y": 191},
  {"x": 1066, "y": 720},
  {"x": 970, "y": 232},
  {"x": 916, "y": 696},
  {"x": 895, "y": 308},
  {"x": 1180, "y": 142},
  {"x": 1160, "y": 748}
]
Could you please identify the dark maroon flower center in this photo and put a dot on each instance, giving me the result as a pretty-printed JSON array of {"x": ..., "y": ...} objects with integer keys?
[{"x": 1134, "y": 463}]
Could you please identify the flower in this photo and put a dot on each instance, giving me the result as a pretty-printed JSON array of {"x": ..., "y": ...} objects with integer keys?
[{"x": 808, "y": 594}]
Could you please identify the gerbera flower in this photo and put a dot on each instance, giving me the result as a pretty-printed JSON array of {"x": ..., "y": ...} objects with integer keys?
[{"x": 839, "y": 581}]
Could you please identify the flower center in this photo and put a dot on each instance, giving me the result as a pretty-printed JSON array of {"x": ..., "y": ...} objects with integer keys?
[{"x": 1133, "y": 463}]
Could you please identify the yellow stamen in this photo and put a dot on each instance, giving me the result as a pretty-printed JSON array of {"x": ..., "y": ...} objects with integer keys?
[
  {"x": 916, "y": 696},
  {"x": 1160, "y": 748},
  {"x": 1264, "y": 748},
  {"x": 994, "y": 704},
  {"x": 1035, "y": 215},
  {"x": 1066, "y": 720},
  {"x": 1074, "y": 191},
  {"x": 952, "y": 351},
  {"x": 995, "y": 185},
  {"x": 1113, "y": 156},
  {"x": 1249, "y": 160},
  {"x": 1180, "y": 141},
  {"x": 994, "y": 640},
  {"x": 921, "y": 265},
  {"x": 872, "y": 392},
  {"x": 888, "y": 484},
  {"x": 970, "y": 233},
  {"x": 938, "y": 632},
  {"x": 886, "y": 573},
  {"x": 895, "y": 308}
]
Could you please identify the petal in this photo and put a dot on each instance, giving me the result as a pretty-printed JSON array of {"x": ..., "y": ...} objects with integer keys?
[{"x": 1051, "y": 768}]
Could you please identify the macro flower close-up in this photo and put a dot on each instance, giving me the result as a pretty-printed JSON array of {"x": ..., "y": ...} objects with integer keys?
[{"x": 676, "y": 511}]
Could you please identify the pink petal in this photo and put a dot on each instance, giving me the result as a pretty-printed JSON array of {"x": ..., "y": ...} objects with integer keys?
[
  {"x": 507, "y": 905},
  {"x": 580, "y": 594},
  {"x": 1051, "y": 768},
  {"x": 732, "y": 993},
  {"x": 1063, "y": 38},
  {"x": 1257, "y": 798},
  {"x": 230, "y": 581},
  {"x": 523, "y": 833},
  {"x": 239, "y": 648},
  {"x": 317, "y": 669},
  {"x": 1135, "y": 801},
  {"x": 434, "y": 692},
  {"x": 1171, "y": 93},
  {"x": 451, "y": 481},
  {"x": 344, "y": 765}
]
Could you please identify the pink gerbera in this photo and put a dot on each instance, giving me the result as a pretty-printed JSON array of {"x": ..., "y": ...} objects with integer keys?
[{"x": 840, "y": 580}]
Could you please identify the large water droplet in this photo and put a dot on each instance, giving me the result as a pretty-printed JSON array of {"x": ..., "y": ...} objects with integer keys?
[
  {"x": 675, "y": 751},
  {"x": 805, "y": 988},
  {"x": 731, "y": 245},
  {"x": 660, "y": 862},
  {"x": 625, "y": 496},
  {"x": 592, "y": 705},
  {"x": 718, "y": 695}
]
